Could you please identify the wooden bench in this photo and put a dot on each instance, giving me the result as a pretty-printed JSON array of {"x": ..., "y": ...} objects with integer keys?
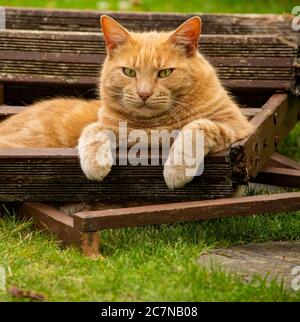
[{"x": 42, "y": 55}]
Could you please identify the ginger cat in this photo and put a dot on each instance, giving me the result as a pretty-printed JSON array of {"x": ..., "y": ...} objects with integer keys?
[{"x": 153, "y": 80}]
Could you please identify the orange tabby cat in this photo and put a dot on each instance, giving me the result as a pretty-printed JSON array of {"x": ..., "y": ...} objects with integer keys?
[{"x": 153, "y": 80}]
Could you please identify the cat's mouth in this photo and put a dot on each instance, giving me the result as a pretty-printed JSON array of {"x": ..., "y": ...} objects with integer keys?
[
  {"x": 148, "y": 111},
  {"x": 150, "y": 106},
  {"x": 145, "y": 106}
]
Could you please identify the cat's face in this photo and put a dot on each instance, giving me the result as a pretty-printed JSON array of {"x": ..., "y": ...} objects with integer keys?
[{"x": 145, "y": 74}]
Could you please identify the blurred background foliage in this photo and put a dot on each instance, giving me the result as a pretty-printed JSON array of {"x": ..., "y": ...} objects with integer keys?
[{"x": 222, "y": 6}]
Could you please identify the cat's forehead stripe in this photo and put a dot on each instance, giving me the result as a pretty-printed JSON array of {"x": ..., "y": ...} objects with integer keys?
[{"x": 150, "y": 50}]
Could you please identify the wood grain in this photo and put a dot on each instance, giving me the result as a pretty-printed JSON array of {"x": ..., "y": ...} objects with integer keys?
[
  {"x": 57, "y": 58},
  {"x": 277, "y": 176},
  {"x": 186, "y": 211},
  {"x": 55, "y": 175},
  {"x": 271, "y": 126},
  {"x": 88, "y": 21},
  {"x": 281, "y": 161}
]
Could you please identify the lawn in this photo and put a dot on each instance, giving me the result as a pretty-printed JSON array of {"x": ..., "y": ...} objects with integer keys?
[{"x": 154, "y": 263}]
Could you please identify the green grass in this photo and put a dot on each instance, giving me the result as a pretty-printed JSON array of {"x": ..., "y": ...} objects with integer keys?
[
  {"x": 291, "y": 145},
  {"x": 242, "y": 6},
  {"x": 154, "y": 263}
]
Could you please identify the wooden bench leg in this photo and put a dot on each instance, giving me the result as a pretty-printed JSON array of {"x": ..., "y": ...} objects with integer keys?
[{"x": 56, "y": 222}]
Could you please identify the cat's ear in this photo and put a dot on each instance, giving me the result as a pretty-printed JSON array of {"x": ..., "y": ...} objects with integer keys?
[
  {"x": 114, "y": 34},
  {"x": 187, "y": 35}
]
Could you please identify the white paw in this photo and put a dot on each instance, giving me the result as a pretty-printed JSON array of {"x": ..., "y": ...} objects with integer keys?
[
  {"x": 181, "y": 166},
  {"x": 176, "y": 176},
  {"x": 96, "y": 167}
]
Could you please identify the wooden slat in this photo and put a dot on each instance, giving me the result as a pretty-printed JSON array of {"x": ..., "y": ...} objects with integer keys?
[
  {"x": 7, "y": 111},
  {"x": 186, "y": 211},
  {"x": 82, "y": 230},
  {"x": 38, "y": 153},
  {"x": 277, "y": 176},
  {"x": 281, "y": 161},
  {"x": 75, "y": 58},
  {"x": 278, "y": 117},
  {"x": 249, "y": 112},
  {"x": 221, "y": 46},
  {"x": 88, "y": 20},
  {"x": 49, "y": 219},
  {"x": 55, "y": 175}
]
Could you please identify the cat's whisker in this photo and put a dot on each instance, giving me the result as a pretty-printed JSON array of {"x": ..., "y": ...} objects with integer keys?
[
  {"x": 184, "y": 108},
  {"x": 180, "y": 111},
  {"x": 159, "y": 101}
]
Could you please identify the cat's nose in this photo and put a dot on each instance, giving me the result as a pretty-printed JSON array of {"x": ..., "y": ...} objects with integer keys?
[{"x": 144, "y": 95}]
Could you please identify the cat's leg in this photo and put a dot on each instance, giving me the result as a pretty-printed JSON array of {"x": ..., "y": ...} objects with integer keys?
[
  {"x": 95, "y": 148},
  {"x": 216, "y": 137}
]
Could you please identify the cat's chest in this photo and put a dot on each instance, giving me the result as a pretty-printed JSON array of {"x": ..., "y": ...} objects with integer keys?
[
  {"x": 144, "y": 132},
  {"x": 155, "y": 136},
  {"x": 128, "y": 127}
]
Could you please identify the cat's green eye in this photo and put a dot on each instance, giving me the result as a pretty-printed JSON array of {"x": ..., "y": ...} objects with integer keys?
[
  {"x": 165, "y": 73},
  {"x": 129, "y": 72}
]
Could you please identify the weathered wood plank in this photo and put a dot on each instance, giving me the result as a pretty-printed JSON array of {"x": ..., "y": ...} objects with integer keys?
[
  {"x": 277, "y": 176},
  {"x": 7, "y": 111},
  {"x": 93, "y": 43},
  {"x": 75, "y": 59},
  {"x": 88, "y": 20},
  {"x": 186, "y": 211},
  {"x": 278, "y": 117},
  {"x": 82, "y": 230},
  {"x": 49, "y": 219},
  {"x": 38, "y": 153},
  {"x": 281, "y": 161},
  {"x": 250, "y": 112},
  {"x": 55, "y": 175}
]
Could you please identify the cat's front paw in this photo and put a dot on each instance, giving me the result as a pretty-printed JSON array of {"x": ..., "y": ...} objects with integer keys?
[
  {"x": 96, "y": 166},
  {"x": 182, "y": 165},
  {"x": 176, "y": 176}
]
